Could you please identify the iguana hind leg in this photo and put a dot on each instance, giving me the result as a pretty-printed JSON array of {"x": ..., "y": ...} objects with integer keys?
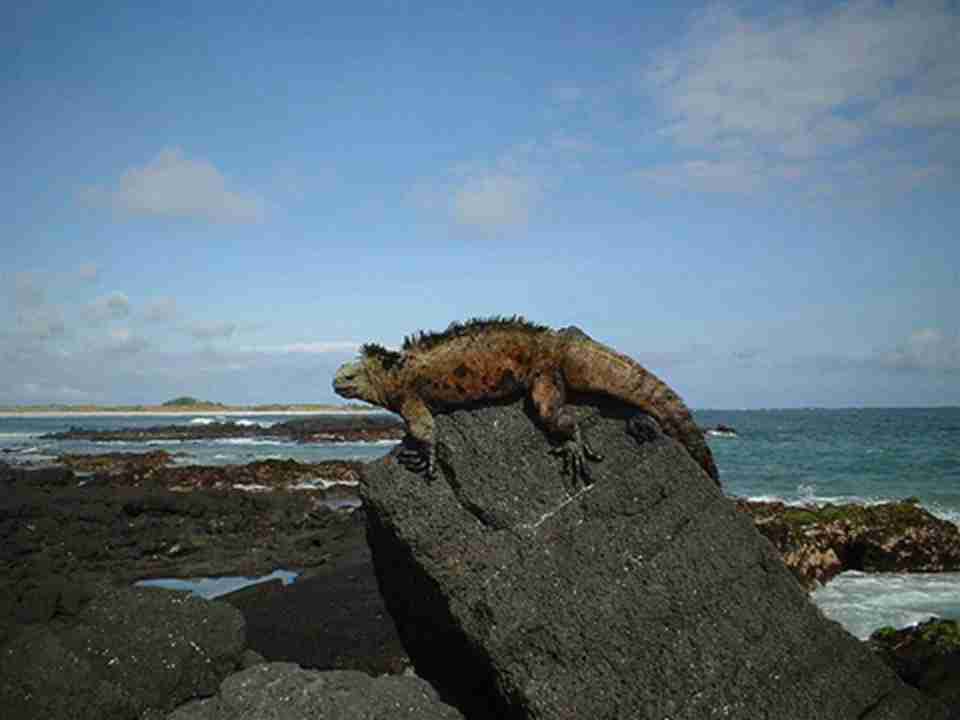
[{"x": 548, "y": 395}]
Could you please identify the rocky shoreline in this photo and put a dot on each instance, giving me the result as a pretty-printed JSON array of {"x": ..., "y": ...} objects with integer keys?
[
  {"x": 77, "y": 535},
  {"x": 817, "y": 543},
  {"x": 343, "y": 427},
  {"x": 83, "y": 530}
]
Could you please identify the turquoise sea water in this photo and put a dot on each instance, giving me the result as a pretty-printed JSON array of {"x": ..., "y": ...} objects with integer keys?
[
  {"x": 850, "y": 455},
  {"x": 797, "y": 456}
]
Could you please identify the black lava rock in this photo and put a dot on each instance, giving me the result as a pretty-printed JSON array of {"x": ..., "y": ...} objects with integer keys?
[
  {"x": 647, "y": 595},
  {"x": 123, "y": 652},
  {"x": 284, "y": 691}
]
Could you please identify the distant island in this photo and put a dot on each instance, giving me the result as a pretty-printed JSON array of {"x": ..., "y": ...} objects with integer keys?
[{"x": 186, "y": 404}]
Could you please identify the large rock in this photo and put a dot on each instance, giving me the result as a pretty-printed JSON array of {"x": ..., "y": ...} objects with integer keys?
[
  {"x": 819, "y": 542},
  {"x": 646, "y": 595},
  {"x": 284, "y": 691},
  {"x": 123, "y": 652}
]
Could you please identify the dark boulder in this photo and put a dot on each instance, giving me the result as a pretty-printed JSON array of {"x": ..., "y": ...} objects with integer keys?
[
  {"x": 646, "y": 595},
  {"x": 343, "y": 427},
  {"x": 926, "y": 655},
  {"x": 120, "y": 653},
  {"x": 284, "y": 691}
]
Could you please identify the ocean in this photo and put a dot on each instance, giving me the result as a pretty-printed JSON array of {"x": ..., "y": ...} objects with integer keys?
[
  {"x": 865, "y": 455},
  {"x": 21, "y": 440}
]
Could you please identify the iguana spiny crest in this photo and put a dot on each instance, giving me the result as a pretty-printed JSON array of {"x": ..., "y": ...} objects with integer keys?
[{"x": 493, "y": 358}]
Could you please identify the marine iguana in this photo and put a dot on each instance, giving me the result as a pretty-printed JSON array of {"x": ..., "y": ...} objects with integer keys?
[{"x": 493, "y": 358}]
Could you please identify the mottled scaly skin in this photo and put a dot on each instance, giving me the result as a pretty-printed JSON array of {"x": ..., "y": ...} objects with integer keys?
[{"x": 488, "y": 360}]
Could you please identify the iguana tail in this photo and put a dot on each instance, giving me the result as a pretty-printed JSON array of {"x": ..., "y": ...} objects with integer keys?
[{"x": 592, "y": 367}]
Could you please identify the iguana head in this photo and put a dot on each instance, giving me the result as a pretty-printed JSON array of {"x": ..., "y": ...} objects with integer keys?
[
  {"x": 363, "y": 379},
  {"x": 352, "y": 381}
]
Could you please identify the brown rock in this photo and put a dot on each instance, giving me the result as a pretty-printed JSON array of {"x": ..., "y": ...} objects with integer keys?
[{"x": 818, "y": 543}]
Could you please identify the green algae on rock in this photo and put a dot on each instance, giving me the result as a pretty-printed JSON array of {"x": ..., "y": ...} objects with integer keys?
[{"x": 926, "y": 656}]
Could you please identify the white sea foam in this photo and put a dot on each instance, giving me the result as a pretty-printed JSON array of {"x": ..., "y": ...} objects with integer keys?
[
  {"x": 820, "y": 500},
  {"x": 252, "y": 487},
  {"x": 948, "y": 514},
  {"x": 864, "y": 602},
  {"x": 30, "y": 459},
  {"x": 322, "y": 484},
  {"x": 202, "y": 421},
  {"x": 250, "y": 441},
  {"x": 255, "y": 423},
  {"x": 363, "y": 443}
]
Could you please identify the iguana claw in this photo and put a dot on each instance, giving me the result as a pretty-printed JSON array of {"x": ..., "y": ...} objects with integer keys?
[
  {"x": 419, "y": 459},
  {"x": 575, "y": 453}
]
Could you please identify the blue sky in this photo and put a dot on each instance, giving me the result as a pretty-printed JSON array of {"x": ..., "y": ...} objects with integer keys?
[{"x": 760, "y": 205}]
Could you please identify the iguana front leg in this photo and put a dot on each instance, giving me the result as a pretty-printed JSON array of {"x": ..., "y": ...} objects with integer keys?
[
  {"x": 420, "y": 430},
  {"x": 548, "y": 393}
]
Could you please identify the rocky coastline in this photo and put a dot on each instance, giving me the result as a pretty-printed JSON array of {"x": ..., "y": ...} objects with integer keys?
[
  {"x": 817, "y": 543},
  {"x": 340, "y": 427},
  {"x": 75, "y": 535}
]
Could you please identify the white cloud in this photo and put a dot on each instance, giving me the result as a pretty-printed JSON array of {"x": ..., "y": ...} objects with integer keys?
[
  {"x": 88, "y": 272},
  {"x": 746, "y": 356},
  {"x": 42, "y": 322},
  {"x": 211, "y": 331},
  {"x": 507, "y": 189},
  {"x": 27, "y": 291},
  {"x": 710, "y": 175},
  {"x": 35, "y": 318},
  {"x": 174, "y": 185},
  {"x": 161, "y": 310},
  {"x": 926, "y": 349},
  {"x": 495, "y": 200},
  {"x": 109, "y": 307},
  {"x": 54, "y": 393},
  {"x": 122, "y": 340},
  {"x": 566, "y": 94},
  {"x": 806, "y": 87}
]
